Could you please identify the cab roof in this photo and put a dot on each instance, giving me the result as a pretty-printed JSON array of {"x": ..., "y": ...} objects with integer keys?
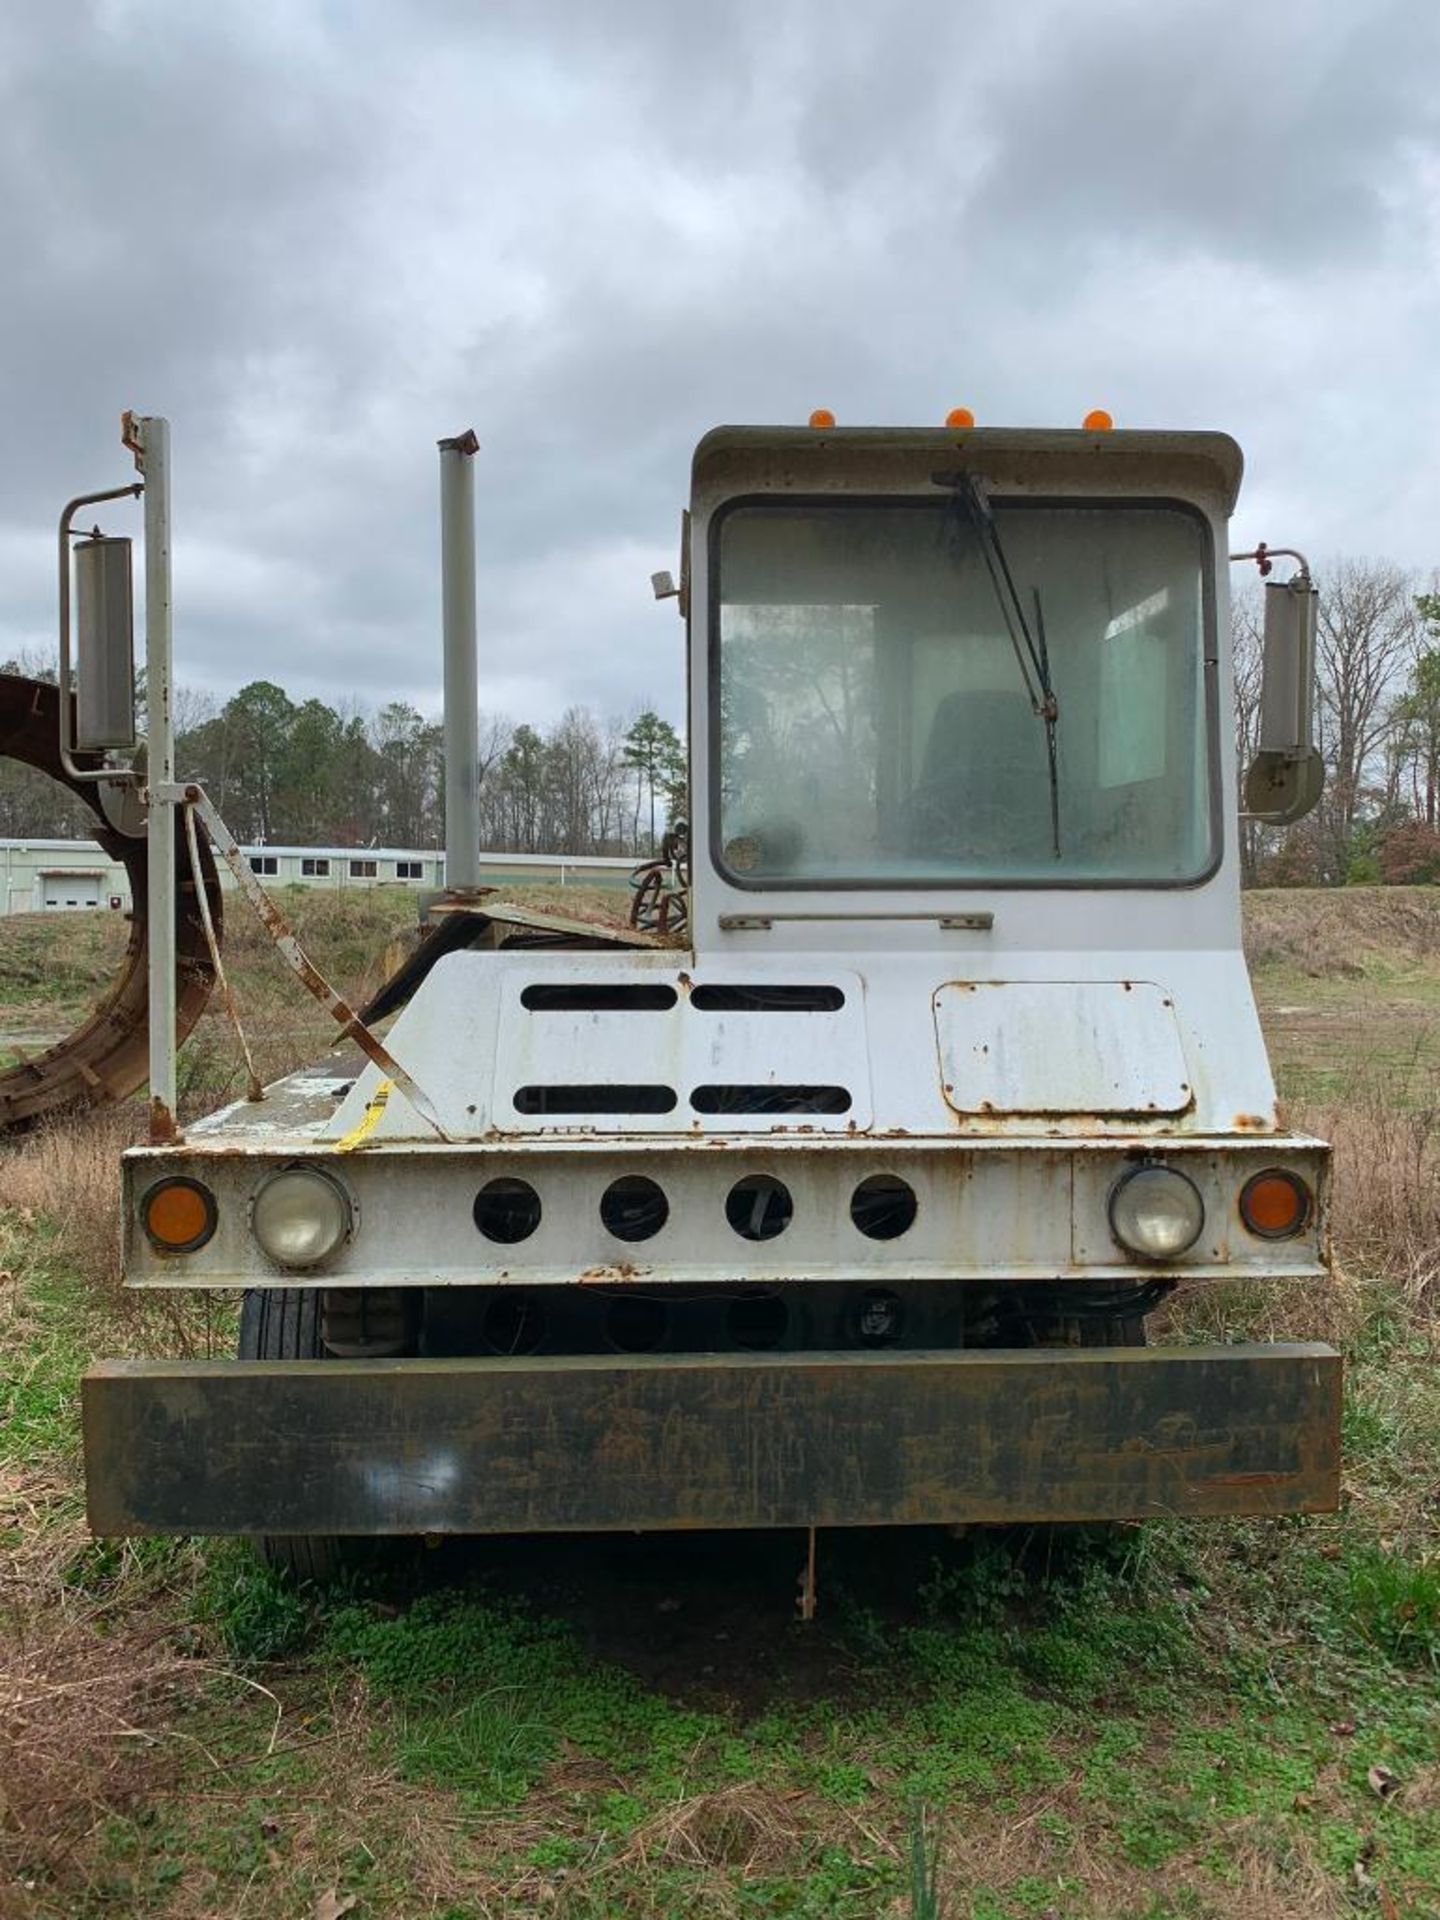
[{"x": 1026, "y": 457}]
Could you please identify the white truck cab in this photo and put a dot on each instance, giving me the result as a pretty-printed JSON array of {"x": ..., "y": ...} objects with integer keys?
[{"x": 852, "y": 1208}]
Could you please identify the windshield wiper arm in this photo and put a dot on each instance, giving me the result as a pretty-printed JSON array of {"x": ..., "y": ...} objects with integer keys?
[{"x": 1032, "y": 653}]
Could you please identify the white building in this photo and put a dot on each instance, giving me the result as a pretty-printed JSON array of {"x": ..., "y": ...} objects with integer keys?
[{"x": 38, "y": 876}]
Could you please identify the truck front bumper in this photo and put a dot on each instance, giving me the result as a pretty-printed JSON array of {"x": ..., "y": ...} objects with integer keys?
[{"x": 518, "y": 1445}]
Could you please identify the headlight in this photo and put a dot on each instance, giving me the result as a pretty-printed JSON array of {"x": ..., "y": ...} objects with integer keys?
[
  {"x": 1156, "y": 1213},
  {"x": 300, "y": 1216}
]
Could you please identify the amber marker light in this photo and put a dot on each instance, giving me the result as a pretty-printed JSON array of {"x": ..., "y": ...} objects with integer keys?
[
  {"x": 959, "y": 417},
  {"x": 178, "y": 1216},
  {"x": 822, "y": 417},
  {"x": 1097, "y": 421},
  {"x": 1275, "y": 1204}
]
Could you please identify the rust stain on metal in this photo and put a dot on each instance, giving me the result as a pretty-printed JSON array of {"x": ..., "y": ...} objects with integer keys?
[
  {"x": 619, "y": 1271},
  {"x": 1252, "y": 1123},
  {"x": 163, "y": 1130}
]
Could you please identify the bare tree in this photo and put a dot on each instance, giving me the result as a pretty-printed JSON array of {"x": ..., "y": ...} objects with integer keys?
[
  {"x": 1366, "y": 638},
  {"x": 1247, "y": 648}
]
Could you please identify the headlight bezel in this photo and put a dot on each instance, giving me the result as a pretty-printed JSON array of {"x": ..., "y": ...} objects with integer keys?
[
  {"x": 325, "y": 1182},
  {"x": 1300, "y": 1189},
  {"x": 1127, "y": 1185},
  {"x": 185, "y": 1183}
]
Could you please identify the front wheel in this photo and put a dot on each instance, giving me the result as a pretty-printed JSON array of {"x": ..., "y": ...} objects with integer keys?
[{"x": 283, "y": 1323}]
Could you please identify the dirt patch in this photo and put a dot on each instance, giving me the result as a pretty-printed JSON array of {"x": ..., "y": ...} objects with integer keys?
[{"x": 711, "y": 1620}]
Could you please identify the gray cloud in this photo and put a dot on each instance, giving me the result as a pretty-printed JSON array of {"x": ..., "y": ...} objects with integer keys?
[{"x": 319, "y": 238}]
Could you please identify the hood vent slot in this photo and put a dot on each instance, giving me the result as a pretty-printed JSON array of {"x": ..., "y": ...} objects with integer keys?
[
  {"x": 770, "y": 1099},
  {"x": 760, "y": 997},
  {"x": 557, "y": 996},
  {"x": 600, "y": 1098}
]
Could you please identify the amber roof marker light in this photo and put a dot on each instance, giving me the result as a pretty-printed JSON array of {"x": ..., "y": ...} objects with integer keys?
[
  {"x": 959, "y": 417},
  {"x": 1275, "y": 1204},
  {"x": 178, "y": 1215},
  {"x": 1097, "y": 421},
  {"x": 821, "y": 418}
]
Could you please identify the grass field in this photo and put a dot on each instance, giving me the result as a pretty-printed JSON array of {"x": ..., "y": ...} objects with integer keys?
[{"x": 1174, "y": 1722}]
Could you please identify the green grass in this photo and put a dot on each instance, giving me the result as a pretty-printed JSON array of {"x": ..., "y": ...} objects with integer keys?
[
  {"x": 40, "y": 1382},
  {"x": 1139, "y": 1722},
  {"x": 1117, "y": 1723},
  {"x": 1175, "y": 1722}
]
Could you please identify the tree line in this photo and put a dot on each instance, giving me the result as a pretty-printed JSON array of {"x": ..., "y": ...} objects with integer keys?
[{"x": 308, "y": 774}]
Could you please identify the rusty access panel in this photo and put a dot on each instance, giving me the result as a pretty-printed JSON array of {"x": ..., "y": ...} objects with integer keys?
[{"x": 1060, "y": 1046}]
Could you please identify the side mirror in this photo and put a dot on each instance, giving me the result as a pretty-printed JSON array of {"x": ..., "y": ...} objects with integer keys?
[
  {"x": 1285, "y": 779},
  {"x": 105, "y": 662}
]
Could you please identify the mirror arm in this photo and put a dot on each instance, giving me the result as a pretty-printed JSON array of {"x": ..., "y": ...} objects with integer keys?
[{"x": 1265, "y": 557}]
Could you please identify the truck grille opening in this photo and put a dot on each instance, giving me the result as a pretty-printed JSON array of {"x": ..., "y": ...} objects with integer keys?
[
  {"x": 634, "y": 1323},
  {"x": 598, "y": 997},
  {"x": 763, "y": 998},
  {"x": 758, "y": 1322},
  {"x": 634, "y": 1208},
  {"x": 879, "y": 1318},
  {"x": 883, "y": 1207},
  {"x": 595, "y": 1099},
  {"x": 758, "y": 1207},
  {"x": 513, "y": 1323},
  {"x": 507, "y": 1210},
  {"x": 770, "y": 1099}
]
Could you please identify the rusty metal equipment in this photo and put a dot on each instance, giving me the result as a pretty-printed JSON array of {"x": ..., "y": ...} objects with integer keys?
[{"x": 107, "y": 1057}]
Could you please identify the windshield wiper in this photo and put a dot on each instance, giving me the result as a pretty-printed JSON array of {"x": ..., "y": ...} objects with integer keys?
[{"x": 1032, "y": 654}]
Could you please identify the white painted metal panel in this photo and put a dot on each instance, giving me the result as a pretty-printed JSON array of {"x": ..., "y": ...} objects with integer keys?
[
  {"x": 984, "y": 1210},
  {"x": 1060, "y": 1046},
  {"x": 681, "y": 1049}
]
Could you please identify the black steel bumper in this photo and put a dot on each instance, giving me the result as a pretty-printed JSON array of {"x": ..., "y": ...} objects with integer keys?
[{"x": 660, "y": 1441}]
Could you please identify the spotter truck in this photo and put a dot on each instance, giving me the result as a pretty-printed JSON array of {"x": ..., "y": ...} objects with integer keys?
[{"x": 850, "y": 1203}]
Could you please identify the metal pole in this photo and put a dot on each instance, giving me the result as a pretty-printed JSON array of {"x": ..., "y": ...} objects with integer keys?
[
  {"x": 153, "y": 436},
  {"x": 462, "y": 721}
]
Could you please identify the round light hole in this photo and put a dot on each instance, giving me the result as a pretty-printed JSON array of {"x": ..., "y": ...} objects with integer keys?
[
  {"x": 883, "y": 1207},
  {"x": 507, "y": 1210},
  {"x": 634, "y": 1208},
  {"x": 759, "y": 1206}
]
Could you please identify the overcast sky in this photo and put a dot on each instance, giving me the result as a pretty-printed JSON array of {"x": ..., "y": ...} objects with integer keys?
[{"x": 320, "y": 236}]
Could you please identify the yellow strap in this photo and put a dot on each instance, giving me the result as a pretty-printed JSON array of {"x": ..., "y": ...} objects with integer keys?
[{"x": 369, "y": 1120}]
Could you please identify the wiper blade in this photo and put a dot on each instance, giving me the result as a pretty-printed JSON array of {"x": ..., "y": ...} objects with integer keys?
[
  {"x": 1049, "y": 714},
  {"x": 1032, "y": 653}
]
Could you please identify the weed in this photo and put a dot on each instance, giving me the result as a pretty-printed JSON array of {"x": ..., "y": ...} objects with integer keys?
[
  {"x": 259, "y": 1615},
  {"x": 924, "y": 1865},
  {"x": 1393, "y": 1603}
]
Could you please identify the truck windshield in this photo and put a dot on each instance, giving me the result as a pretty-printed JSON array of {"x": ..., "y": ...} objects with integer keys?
[{"x": 873, "y": 726}]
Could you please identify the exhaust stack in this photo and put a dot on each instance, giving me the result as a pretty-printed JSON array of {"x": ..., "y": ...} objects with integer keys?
[{"x": 462, "y": 722}]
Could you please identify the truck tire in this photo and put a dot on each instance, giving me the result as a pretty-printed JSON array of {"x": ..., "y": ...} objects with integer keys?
[
  {"x": 1090, "y": 1330},
  {"x": 283, "y": 1323},
  {"x": 1112, "y": 1330}
]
